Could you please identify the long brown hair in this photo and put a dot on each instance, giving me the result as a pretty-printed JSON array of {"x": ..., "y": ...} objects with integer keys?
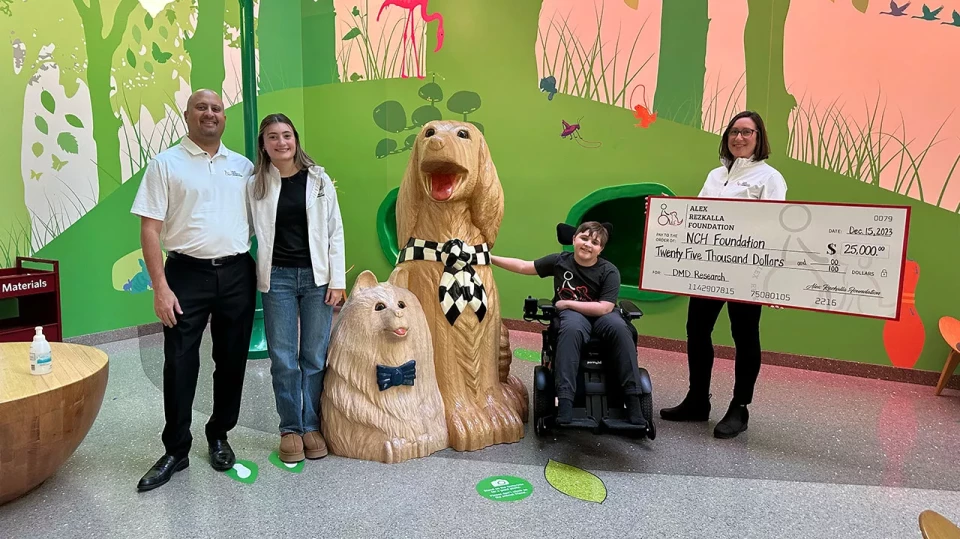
[
  {"x": 260, "y": 168},
  {"x": 762, "y": 150}
]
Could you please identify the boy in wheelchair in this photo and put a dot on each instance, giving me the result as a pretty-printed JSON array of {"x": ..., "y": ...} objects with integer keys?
[{"x": 585, "y": 296}]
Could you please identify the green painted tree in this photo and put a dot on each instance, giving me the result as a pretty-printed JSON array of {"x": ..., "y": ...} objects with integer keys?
[
  {"x": 683, "y": 61},
  {"x": 205, "y": 47},
  {"x": 150, "y": 65},
  {"x": 281, "y": 57},
  {"x": 468, "y": 43},
  {"x": 319, "y": 30},
  {"x": 30, "y": 28},
  {"x": 101, "y": 44},
  {"x": 763, "y": 52}
]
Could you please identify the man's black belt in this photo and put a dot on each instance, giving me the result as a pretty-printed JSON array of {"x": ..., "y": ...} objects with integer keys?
[{"x": 214, "y": 262}]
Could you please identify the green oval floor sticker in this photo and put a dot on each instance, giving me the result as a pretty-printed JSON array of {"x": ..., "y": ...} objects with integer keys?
[{"x": 504, "y": 488}]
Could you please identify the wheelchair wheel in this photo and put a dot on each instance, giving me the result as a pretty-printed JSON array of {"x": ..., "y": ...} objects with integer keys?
[{"x": 543, "y": 406}]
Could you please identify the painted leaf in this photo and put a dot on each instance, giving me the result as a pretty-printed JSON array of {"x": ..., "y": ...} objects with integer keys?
[
  {"x": 48, "y": 102},
  {"x": 136, "y": 34},
  {"x": 632, "y": 4},
  {"x": 527, "y": 355},
  {"x": 171, "y": 16},
  {"x": 385, "y": 147},
  {"x": 37, "y": 149},
  {"x": 861, "y": 5},
  {"x": 74, "y": 121},
  {"x": 390, "y": 116},
  {"x": 354, "y": 32},
  {"x": 164, "y": 33},
  {"x": 148, "y": 21},
  {"x": 575, "y": 482},
  {"x": 131, "y": 58},
  {"x": 41, "y": 124},
  {"x": 68, "y": 143},
  {"x": 160, "y": 56},
  {"x": 148, "y": 67},
  {"x": 355, "y": 11}
]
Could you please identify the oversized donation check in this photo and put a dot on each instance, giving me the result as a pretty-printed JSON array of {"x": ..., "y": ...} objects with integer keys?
[{"x": 818, "y": 256}]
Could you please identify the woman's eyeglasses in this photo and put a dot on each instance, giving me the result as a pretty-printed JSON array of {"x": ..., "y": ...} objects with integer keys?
[{"x": 746, "y": 132}]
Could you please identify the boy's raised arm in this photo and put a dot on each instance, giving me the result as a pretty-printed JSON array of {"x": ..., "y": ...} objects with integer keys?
[{"x": 523, "y": 267}]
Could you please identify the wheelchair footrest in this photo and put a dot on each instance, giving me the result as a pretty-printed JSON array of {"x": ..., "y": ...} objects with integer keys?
[
  {"x": 619, "y": 424},
  {"x": 580, "y": 423}
]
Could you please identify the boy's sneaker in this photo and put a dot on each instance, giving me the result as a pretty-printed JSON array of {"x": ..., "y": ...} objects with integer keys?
[
  {"x": 692, "y": 408},
  {"x": 634, "y": 412},
  {"x": 565, "y": 412}
]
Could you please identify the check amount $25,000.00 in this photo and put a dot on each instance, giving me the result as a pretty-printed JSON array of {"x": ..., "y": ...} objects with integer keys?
[{"x": 826, "y": 257}]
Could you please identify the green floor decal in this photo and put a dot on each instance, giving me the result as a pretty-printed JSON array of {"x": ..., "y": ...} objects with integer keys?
[
  {"x": 575, "y": 482},
  {"x": 504, "y": 488},
  {"x": 527, "y": 355},
  {"x": 285, "y": 466},
  {"x": 243, "y": 471}
]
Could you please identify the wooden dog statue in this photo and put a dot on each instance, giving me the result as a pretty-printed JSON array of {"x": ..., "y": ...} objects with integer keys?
[
  {"x": 449, "y": 209},
  {"x": 380, "y": 399}
]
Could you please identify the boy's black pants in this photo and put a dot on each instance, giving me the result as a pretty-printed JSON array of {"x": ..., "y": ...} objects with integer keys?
[{"x": 573, "y": 331}]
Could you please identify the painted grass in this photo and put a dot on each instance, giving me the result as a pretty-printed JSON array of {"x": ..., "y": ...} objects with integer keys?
[
  {"x": 381, "y": 60},
  {"x": 876, "y": 151},
  {"x": 588, "y": 67}
]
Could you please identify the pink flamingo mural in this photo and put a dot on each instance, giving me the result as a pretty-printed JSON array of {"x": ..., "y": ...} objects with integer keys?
[{"x": 409, "y": 30}]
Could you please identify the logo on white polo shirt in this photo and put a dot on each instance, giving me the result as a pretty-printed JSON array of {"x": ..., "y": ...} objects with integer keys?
[{"x": 233, "y": 173}]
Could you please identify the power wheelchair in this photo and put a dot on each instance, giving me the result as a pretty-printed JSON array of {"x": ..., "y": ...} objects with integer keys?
[{"x": 596, "y": 406}]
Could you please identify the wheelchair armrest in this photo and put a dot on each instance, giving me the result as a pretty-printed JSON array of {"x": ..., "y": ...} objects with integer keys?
[
  {"x": 629, "y": 310},
  {"x": 538, "y": 309},
  {"x": 547, "y": 307}
]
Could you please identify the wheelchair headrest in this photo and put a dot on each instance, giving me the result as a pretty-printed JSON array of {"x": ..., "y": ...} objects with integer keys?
[{"x": 565, "y": 233}]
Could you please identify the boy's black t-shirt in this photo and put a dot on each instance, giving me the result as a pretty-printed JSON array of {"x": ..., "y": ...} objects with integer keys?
[{"x": 571, "y": 281}]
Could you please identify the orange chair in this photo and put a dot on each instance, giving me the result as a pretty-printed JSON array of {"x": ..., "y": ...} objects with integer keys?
[
  {"x": 950, "y": 329},
  {"x": 933, "y": 525}
]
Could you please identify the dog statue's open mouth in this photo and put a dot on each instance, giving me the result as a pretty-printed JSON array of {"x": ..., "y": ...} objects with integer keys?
[
  {"x": 444, "y": 177},
  {"x": 442, "y": 185}
]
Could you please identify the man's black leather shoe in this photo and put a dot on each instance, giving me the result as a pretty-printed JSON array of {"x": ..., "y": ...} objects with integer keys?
[
  {"x": 162, "y": 471},
  {"x": 221, "y": 456}
]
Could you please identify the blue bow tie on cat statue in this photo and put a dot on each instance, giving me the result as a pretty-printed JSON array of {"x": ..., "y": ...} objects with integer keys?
[{"x": 404, "y": 375}]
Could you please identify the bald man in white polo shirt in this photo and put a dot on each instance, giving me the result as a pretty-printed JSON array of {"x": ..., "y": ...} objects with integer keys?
[{"x": 193, "y": 200}]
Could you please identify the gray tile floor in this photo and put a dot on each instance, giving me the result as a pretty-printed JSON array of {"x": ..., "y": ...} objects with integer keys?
[{"x": 825, "y": 456}]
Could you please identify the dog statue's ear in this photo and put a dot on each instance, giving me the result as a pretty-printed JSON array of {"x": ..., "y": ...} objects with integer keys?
[
  {"x": 365, "y": 280},
  {"x": 486, "y": 204},
  {"x": 409, "y": 197},
  {"x": 399, "y": 277}
]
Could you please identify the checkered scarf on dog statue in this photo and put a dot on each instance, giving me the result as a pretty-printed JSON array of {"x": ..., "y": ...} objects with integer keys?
[{"x": 460, "y": 285}]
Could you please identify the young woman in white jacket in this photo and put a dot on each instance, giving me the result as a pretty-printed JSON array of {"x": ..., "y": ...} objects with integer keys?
[
  {"x": 744, "y": 173},
  {"x": 300, "y": 273}
]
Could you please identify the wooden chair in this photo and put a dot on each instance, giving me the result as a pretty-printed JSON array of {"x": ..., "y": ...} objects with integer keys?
[
  {"x": 933, "y": 525},
  {"x": 950, "y": 330}
]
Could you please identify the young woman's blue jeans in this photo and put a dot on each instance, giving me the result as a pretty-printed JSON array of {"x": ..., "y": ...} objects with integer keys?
[{"x": 297, "y": 371}]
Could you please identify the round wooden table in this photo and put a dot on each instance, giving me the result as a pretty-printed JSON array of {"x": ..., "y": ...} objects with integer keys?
[{"x": 44, "y": 418}]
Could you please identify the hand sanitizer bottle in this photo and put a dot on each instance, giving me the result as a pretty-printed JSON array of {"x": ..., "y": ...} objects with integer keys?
[{"x": 40, "y": 354}]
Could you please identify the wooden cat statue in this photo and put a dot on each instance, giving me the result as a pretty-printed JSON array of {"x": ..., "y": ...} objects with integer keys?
[{"x": 380, "y": 398}]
